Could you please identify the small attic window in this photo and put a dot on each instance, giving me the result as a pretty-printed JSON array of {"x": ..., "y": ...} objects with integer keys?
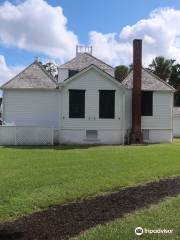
[{"x": 72, "y": 72}]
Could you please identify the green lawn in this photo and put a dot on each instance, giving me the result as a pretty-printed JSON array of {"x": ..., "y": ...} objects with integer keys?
[
  {"x": 32, "y": 179},
  {"x": 162, "y": 216}
]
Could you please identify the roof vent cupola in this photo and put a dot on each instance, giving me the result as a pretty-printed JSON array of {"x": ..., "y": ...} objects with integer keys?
[{"x": 83, "y": 49}]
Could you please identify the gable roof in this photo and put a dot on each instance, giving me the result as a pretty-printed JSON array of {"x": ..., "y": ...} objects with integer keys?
[
  {"x": 92, "y": 66},
  {"x": 84, "y": 60},
  {"x": 34, "y": 76},
  {"x": 149, "y": 82}
]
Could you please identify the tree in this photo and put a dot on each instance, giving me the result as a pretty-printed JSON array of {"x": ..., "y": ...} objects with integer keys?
[
  {"x": 162, "y": 67},
  {"x": 120, "y": 72},
  {"x": 174, "y": 81},
  {"x": 51, "y": 68}
]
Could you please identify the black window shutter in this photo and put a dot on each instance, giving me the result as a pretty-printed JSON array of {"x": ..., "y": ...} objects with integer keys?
[
  {"x": 106, "y": 103},
  {"x": 76, "y": 103},
  {"x": 146, "y": 103}
]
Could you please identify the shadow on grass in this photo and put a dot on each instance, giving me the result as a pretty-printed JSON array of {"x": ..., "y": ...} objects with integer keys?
[
  {"x": 59, "y": 147},
  {"x": 70, "y": 147}
]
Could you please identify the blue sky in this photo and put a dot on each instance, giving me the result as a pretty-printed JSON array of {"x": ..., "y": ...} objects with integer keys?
[
  {"x": 108, "y": 15},
  {"x": 103, "y": 16},
  {"x": 24, "y": 36}
]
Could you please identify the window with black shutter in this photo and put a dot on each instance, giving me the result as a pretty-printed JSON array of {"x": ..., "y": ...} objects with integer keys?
[
  {"x": 76, "y": 103},
  {"x": 146, "y": 103},
  {"x": 106, "y": 103},
  {"x": 72, "y": 72}
]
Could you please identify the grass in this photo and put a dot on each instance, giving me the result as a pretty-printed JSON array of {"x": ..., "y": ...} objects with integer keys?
[
  {"x": 32, "y": 179},
  {"x": 161, "y": 216}
]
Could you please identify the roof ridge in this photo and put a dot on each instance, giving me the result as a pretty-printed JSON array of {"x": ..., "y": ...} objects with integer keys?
[
  {"x": 89, "y": 56},
  {"x": 16, "y": 75},
  {"x": 69, "y": 61},
  {"x": 37, "y": 64},
  {"x": 129, "y": 79},
  {"x": 99, "y": 60}
]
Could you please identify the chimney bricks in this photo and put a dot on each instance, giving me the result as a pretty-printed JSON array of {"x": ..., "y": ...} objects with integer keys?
[{"x": 136, "y": 136}]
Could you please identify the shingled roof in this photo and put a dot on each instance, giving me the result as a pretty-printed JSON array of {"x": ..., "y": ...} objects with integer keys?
[
  {"x": 84, "y": 60},
  {"x": 34, "y": 76},
  {"x": 149, "y": 82}
]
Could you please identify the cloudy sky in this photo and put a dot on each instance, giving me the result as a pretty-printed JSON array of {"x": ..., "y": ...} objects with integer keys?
[{"x": 51, "y": 30}]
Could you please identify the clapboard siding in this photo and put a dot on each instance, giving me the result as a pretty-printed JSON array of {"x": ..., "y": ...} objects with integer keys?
[
  {"x": 128, "y": 110},
  {"x": 92, "y": 81},
  {"x": 162, "y": 111},
  {"x": 31, "y": 107}
]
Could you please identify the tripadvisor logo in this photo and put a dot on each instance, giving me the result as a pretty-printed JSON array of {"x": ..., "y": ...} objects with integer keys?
[{"x": 139, "y": 231}]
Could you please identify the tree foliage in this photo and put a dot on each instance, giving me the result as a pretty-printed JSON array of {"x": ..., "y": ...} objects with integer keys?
[
  {"x": 120, "y": 72},
  {"x": 162, "y": 67},
  {"x": 174, "y": 80},
  {"x": 168, "y": 70},
  {"x": 51, "y": 68}
]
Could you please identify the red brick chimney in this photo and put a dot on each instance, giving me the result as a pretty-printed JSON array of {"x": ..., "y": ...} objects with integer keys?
[{"x": 136, "y": 136}]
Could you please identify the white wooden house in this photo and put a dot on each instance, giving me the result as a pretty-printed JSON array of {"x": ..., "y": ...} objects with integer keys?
[{"x": 87, "y": 105}]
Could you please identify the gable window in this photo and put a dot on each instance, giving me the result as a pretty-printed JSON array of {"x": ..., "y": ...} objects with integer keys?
[
  {"x": 146, "y": 103},
  {"x": 72, "y": 72},
  {"x": 106, "y": 103},
  {"x": 76, "y": 103}
]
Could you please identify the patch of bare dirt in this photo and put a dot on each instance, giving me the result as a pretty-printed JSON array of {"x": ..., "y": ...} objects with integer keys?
[{"x": 65, "y": 221}]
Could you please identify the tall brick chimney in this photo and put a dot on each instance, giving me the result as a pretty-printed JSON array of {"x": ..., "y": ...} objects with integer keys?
[{"x": 136, "y": 136}]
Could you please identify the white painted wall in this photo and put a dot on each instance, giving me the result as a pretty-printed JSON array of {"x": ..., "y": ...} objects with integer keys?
[
  {"x": 176, "y": 125},
  {"x": 160, "y": 124},
  {"x": 31, "y": 108},
  {"x": 110, "y": 130},
  {"x": 78, "y": 136},
  {"x": 128, "y": 109},
  {"x": 47, "y": 108},
  {"x": 159, "y": 136},
  {"x": 162, "y": 111}
]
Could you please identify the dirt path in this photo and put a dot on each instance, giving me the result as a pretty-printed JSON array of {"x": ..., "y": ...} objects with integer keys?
[{"x": 64, "y": 221}]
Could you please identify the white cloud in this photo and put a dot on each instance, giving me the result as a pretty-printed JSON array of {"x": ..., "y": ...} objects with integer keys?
[
  {"x": 7, "y": 72},
  {"x": 36, "y": 26},
  {"x": 160, "y": 33}
]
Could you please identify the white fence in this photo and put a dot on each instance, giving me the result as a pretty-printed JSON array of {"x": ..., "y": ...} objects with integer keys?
[{"x": 12, "y": 135}]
